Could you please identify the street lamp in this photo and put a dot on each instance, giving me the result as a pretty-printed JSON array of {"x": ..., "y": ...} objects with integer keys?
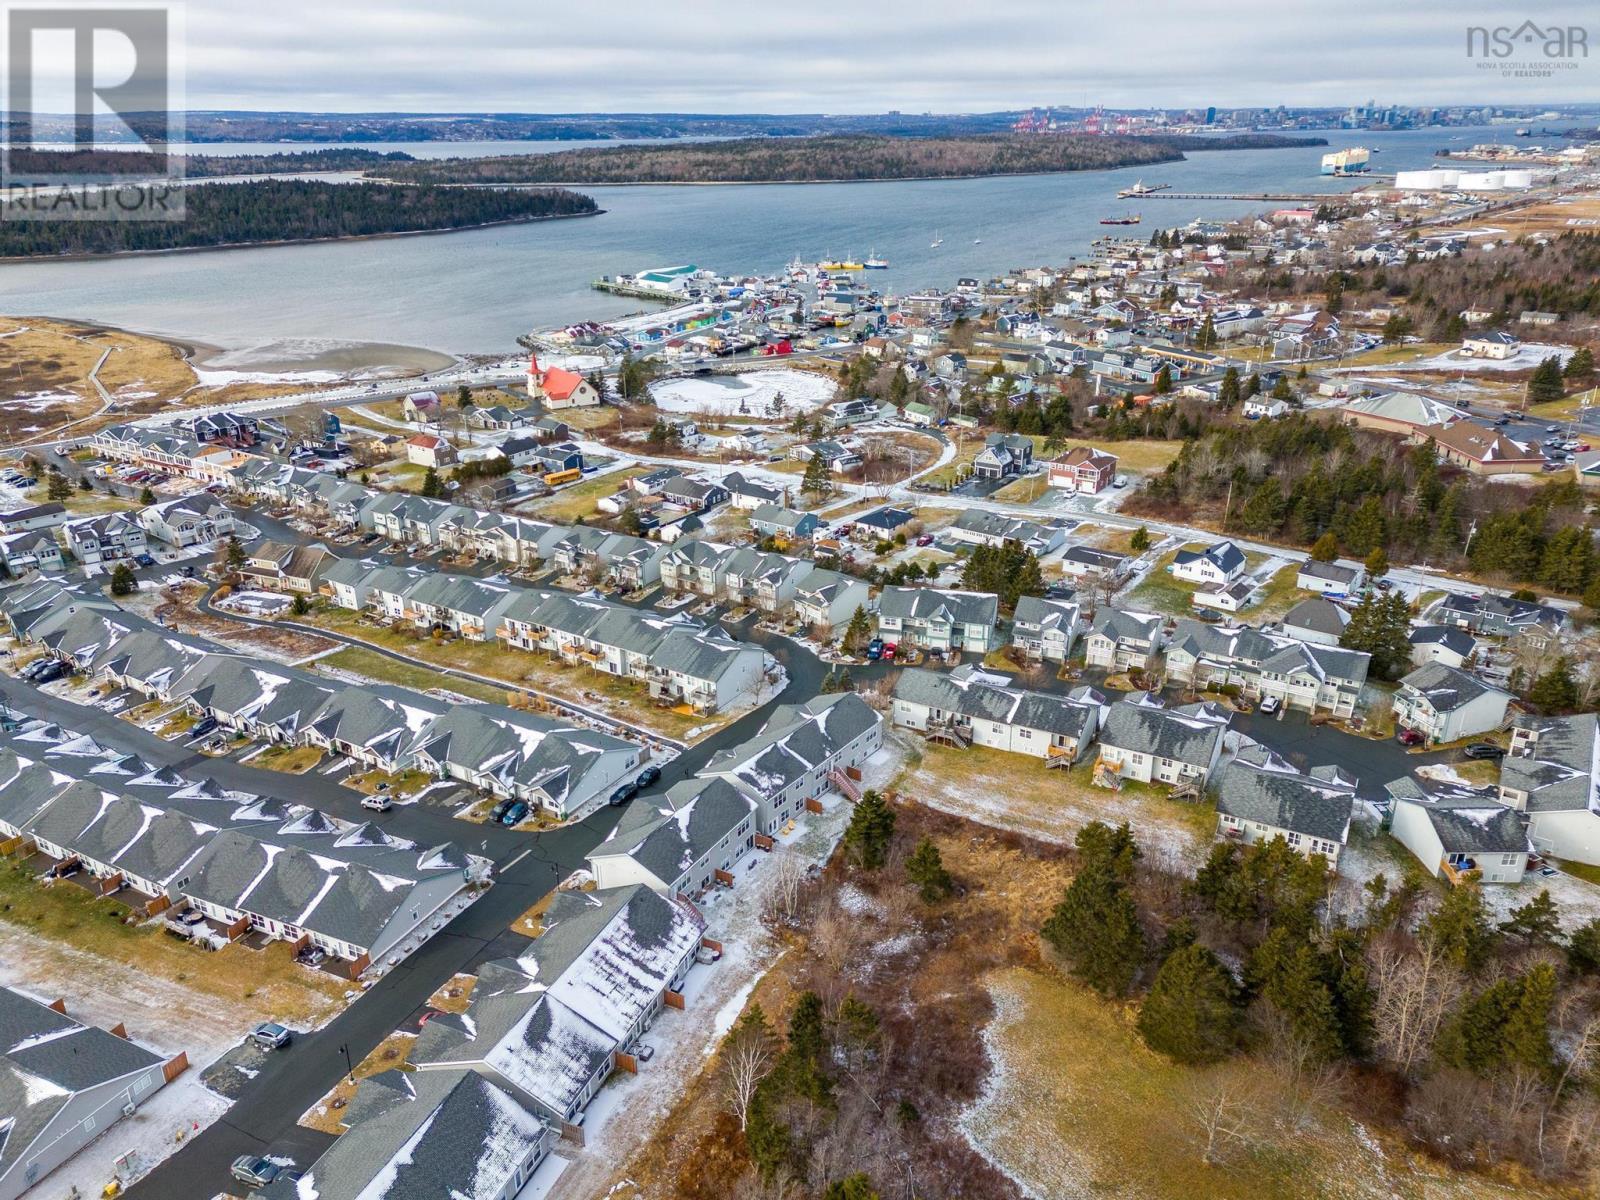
[{"x": 344, "y": 1048}]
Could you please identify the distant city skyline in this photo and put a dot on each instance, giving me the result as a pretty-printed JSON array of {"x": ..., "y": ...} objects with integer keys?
[{"x": 933, "y": 55}]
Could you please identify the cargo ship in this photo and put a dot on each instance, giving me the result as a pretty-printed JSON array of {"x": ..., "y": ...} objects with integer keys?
[
  {"x": 1140, "y": 189},
  {"x": 1353, "y": 161},
  {"x": 1133, "y": 220}
]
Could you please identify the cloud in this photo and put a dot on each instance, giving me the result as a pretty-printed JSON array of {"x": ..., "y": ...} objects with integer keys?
[{"x": 913, "y": 55}]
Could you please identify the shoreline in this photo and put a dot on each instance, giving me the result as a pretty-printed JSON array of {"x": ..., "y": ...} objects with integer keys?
[{"x": 100, "y": 256}]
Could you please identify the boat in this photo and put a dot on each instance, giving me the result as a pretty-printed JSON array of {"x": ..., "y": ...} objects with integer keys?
[
  {"x": 1140, "y": 189},
  {"x": 874, "y": 263},
  {"x": 846, "y": 265},
  {"x": 936, "y": 243},
  {"x": 977, "y": 241},
  {"x": 1133, "y": 220}
]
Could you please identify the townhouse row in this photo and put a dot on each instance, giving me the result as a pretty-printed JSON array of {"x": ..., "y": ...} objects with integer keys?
[
  {"x": 565, "y": 769},
  {"x": 680, "y": 660},
  {"x": 160, "y": 841}
]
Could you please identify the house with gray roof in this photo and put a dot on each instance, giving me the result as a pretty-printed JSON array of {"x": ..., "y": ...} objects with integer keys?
[
  {"x": 763, "y": 580},
  {"x": 1087, "y": 562},
  {"x": 825, "y": 600},
  {"x": 548, "y": 1025},
  {"x": 1316, "y": 620},
  {"x": 1261, "y": 796},
  {"x": 1045, "y": 628},
  {"x": 1499, "y": 616},
  {"x": 1302, "y": 675},
  {"x": 1457, "y": 832},
  {"x": 1552, "y": 776},
  {"x": 1447, "y": 644},
  {"x": 422, "y": 1135},
  {"x": 1444, "y": 704},
  {"x": 695, "y": 565},
  {"x": 981, "y": 527},
  {"x": 749, "y": 493},
  {"x": 62, "y": 1085},
  {"x": 682, "y": 843},
  {"x": 939, "y": 618},
  {"x": 803, "y": 752},
  {"x": 1146, "y": 742},
  {"x": 1218, "y": 564},
  {"x": 771, "y": 520},
  {"x": 1123, "y": 639},
  {"x": 1328, "y": 578},
  {"x": 970, "y": 706}
]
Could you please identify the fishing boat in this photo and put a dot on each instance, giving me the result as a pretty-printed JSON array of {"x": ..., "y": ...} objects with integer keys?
[
  {"x": 1140, "y": 189},
  {"x": 1133, "y": 220},
  {"x": 936, "y": 243},
  {"x": 845, "y": 265},
  {"x": 874, "y": 263}
]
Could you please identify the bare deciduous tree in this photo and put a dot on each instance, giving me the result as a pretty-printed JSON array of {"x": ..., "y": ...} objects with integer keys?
[
  {"x": 748, "y": 1056},
  {"x": 1224, "y": 1115},
  {"x": 1413, "y": 990}
]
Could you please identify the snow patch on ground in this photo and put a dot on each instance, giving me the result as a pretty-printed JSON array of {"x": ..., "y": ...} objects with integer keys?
[
  {"x": 217, "y": 379},
  {"x": 723, "y": 394}
]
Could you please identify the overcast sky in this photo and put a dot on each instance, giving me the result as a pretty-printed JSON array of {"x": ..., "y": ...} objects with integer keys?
[{"x": 913, "y": 55}]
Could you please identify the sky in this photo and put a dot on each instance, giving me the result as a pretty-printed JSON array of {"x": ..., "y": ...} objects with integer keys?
[{"x": 724, "y": 56}]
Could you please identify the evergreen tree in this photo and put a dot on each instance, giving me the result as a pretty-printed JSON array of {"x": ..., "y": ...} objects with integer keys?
[
  {"x": 1325, "y": 548},
  {"x": 1252, "y": 386},
  {"x": 1264, "y": 511},
  {"x": 56, "y": 487},
  {"x": 1321, "y": 991},
  {"x": 464, "y": 398},
  {"x": 300, "y": 606},
  {"x": 1281, "y": 390},
  {"x": 146, "y": 497},
  {"x": 1579, "y": 371},
  {"x": 1377, "y": 563},
  {"x": 1228, "y": 392},
  {"x": 1192, "y": 1014},
  {"x": 1583, "y": 947},
  {"x": 1139, "y": 540},
  {"x": 766, "y": 1137},
  {"x": 235, "y": 553},
  {"x": 851, "y": 1187},
  {"x": 1546, "y": 383},
  {"x": 1381, "y": 626},
  {"x": 925, "y": 868},
  {"x": 1535, "y": 921},
  {"x": 1460, "y": 926},
  {"x": 1163, "y": 382},
  {"x": 857, "y": 632},
  {"x": 1367, "y": 528},
  {"x": 801, "y": 1067},
  {"x": 871, "y": 828},
  {"x": 1207, "y": 340},
  {"x": 1096, "y": 927},
  {"x": 432, "y": 485},
  {"x": 123, "y": 581},
  {"x": 817, "y": 481},
  {"x": 1505, "y": 1025},
  {"x": 1555, "y": 691}
]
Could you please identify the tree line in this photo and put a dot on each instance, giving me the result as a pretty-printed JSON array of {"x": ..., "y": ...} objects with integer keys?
[
  {"x": 829, "y": 158},
  {"x": 1458, "y": 1016},
  {"x": 272, "y": 210}
]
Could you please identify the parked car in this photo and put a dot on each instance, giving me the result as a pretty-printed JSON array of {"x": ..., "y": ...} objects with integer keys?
[
  {"x": 271, "y": 1035},
  {"x": 49, "y": 673},
  {"x": 499, "y": 810},
  {"x": 1120, "y": 481},
  {"x": 1410, "y": 737},
  {"x": 875, "y": 649},
  {"x": 144, "y": 560},
  {"x": 648, "y": 776},
  {"x": 1485, "y": 750},
  {"x": 203, "y": 726},
  {"x": 925, "y": 539},
  {"x": 257, "y": 1172},
  {"x": 1269, "y": 704},
  {"x": 377, "y": 803},
  {"x": 888, "y": 651},
  {"x": 625, "y": 793},
  {"x": 517, "y": 811}
]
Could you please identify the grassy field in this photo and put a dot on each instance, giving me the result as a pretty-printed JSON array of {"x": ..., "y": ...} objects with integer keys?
[
  {"x": 1279, "y": 596},
  {"x": 577, "y": 500},
  {"x": 1388, "y": 356},
  {"x": 1161, "y": 592},
  {"x": 1079, "y": 1108},
  {"x": 62, "y": 912},
  {"x": 393, "y": 1053},
  {"x": 371, "y": 665},
  {"x": 1019, "y": 793},
  {"x": 291, "y": 760}
]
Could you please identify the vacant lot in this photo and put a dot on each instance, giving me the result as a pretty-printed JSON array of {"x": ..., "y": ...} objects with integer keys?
[
  {"x": 266, "y": 982},
  {"x": 577, "y": 500},
  {"x": 1018, "y": 793},
  {"x": 1077, "y": 1107}
]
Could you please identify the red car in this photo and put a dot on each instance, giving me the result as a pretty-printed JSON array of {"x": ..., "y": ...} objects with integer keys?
[
  {"x": 888, "y": 651},
  {"x": 1410, "y": 737}
]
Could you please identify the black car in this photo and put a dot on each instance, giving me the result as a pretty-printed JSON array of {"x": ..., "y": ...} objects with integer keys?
[
  {"x": 48, "y": 673},
  {"x": 648, "y": 776},
  {"x": 1485, "y": 750},
  {"x": 499, "y": 810},
  {"x": 625, "y": 793}
]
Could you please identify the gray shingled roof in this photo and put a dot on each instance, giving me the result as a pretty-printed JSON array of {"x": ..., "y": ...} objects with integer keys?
[
  {"x": 939, "y": 604},
  {"x": 686, "y": 826},
  {"x": 987, "y": 697},
  {"x": 1267, "y": 789},
  {"x": 1561, "y": 771},
  {"x": 1145, "y": 729},
  {"x": 1466, "y": 820},
  {"x": 1317, "y": 615},
  {"x": 1445, "y": 688}
]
